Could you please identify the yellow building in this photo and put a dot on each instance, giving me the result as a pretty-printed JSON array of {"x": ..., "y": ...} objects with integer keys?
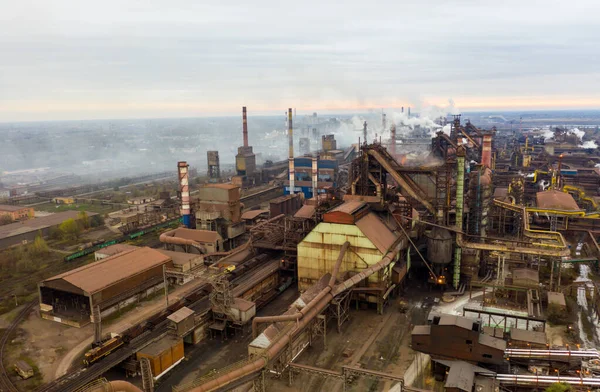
[
  {"x": 63, "y": 200},
  {"x": 370, "y": 239}
]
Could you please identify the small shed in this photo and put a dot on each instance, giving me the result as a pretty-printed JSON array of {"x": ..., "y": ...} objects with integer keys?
[
  {"x": 23, "y": 369},
  {"x": 182, "y": 321},
  {"x": 521, "y": 338},
  {"x": 254, "y": 216},
  {"x": 558, "y": 299},
  {"x": 242, "y": 311}
]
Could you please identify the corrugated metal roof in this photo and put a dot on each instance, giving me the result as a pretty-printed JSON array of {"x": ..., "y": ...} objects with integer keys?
[
  {"x": 558, "y": 200},
  {"x": 242, "y": 304},
  {"x": 421, "y": 330},
  {"x": 253, "y": 214},
  {"x": 305, "y": 212},
  {"x": 197, "y": 235},
  {"x": 99, "y": 275},
  {"x": 221, "y": 186},
  {"x": 376, "y": 231},
  {"x": 181, "y": 314},
  {"x": 180, "y": 257},
  {"x": 350, "y": 206},
  {"x": 489, "y": 341},
  {"x": 528, "y": 336},
  {"x": 116, "y": 249},
  {"x": 463, "y": 322},
  {"x": 460, "y": 376}
]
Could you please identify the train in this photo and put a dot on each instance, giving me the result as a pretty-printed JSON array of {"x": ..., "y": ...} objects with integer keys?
[
  {"x": 96, "y": 246},
  {"x": 101, "y": 351}
]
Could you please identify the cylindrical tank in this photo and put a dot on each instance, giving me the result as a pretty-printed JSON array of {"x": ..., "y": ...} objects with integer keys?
[{"x": 439, "y": 246}]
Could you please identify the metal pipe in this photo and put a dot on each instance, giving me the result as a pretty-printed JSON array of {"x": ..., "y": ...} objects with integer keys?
[
  {"x": 365, "y": 132},
  {"x": 115, "y": 386},
  {"x": 168, "y": 237},
  {"x": 279, "y": 345},
  {"x": 291, "y": 152},
  {"x": 305, "y": 309},
  {"x": 245, "y": 126}
]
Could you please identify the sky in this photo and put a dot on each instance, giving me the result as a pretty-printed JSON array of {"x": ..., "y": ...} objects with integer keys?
[{"x": 80, "y": 59}]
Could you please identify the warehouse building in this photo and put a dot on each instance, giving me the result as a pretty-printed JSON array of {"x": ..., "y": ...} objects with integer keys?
[
  {"x": 109, "y": 284},
  {"x": 20, "y": 233},
  {"x": 16, "y": 213}
]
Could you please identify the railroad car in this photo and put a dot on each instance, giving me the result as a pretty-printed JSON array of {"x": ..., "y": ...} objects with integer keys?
[{"x": 103, "y": 350}]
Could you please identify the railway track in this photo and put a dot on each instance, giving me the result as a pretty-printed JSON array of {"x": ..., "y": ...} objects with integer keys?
[{"x": 6, "y": 384}]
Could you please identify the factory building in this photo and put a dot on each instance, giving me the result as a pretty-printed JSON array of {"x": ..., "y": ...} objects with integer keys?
[
  {"x": 113, "y": 250},
  {"x": 370, "y": 239},
  {"x": 304, "y": 175},
  {"x": 21, "y": 233},
  {"x": 16, "y": 213},
  {"x": 220, "y": 210},
  {"x": 109, "y": 285},
  {"x": 214, "y": 166}
]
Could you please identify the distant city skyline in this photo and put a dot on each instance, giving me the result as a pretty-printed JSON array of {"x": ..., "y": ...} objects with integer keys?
[{"x": 77, "y": 60}]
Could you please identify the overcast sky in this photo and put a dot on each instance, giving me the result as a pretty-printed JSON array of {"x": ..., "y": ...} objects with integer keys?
[{"x": 84, "y": 59}]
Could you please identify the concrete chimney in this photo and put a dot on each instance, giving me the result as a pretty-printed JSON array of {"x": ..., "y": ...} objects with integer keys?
[
  {"x": 291, "y": 152},
  {"x": 184, "y": 188},
  {"x": 245, "y": 126},
  {"x": 409, "y": 111},
  {"x": 315, "y": 177},
  {"x": 402, "y": 109},
  {"x": 486, "y": 150}
]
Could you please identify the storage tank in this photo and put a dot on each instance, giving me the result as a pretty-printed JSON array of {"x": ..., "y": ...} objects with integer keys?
[{"x": 439, "y": 246}]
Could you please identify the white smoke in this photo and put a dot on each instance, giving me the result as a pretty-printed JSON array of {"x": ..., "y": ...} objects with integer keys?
[
  {"x": 547, "y": 132},
  {"x": 589, "y": 144},
  {"x": 577, "y": 132},
  {"x": 447, "y": 129}
]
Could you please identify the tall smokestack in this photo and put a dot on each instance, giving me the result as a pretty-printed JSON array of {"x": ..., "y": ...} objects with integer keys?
[
  {"x": 291, "y": 152},
  {"x": 409, "y": 111},
  {"x": 393, "y": 137},
  {"x": 365, "y": 132},
  {"x": 245, "y": 125},
  {"x": 402, "y": 109},
  {"x": 486, "y": 150},
  {"x": 184, "y": 188},
  {"x": 315, "y": 177}
]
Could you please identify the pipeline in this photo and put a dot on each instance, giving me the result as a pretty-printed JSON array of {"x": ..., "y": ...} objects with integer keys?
[
  {"x": 524, "y": 379},
  {"x": 115, "y": 386},
  {"x": 259, "y": 363},
  {"x": 581, "y": 194},
  {"x": 541, "y": 354},
  {"x": 297, "y": 316},
  {"x": 168, "y": 237}
]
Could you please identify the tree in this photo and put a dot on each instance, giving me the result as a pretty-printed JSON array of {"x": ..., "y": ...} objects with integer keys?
[
  {"x": 39, "y": 246},
  {"x": 84, "y": 220},
  {"x": 69, "y": 229},
  {"x": 559, "y": 387},
  {"x": 5, "y": 220}
]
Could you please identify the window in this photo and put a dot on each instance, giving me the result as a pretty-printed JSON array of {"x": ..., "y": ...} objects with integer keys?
[
  {"x": 469, "y": 341},
  {"x": 487, "y": 356}
]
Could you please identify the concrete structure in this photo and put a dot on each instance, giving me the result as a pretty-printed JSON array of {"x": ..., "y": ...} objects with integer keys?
[
  {"x": 214, "y": 166},
  {"x": 140, "y": 200},
  {"x": 328, "y": 142},
  {"x": 204, "y": 241},
  {"x": 21, "y": 233},
  {"x": 304, "y": 181},
  {"x": 245, "y": 160},
  {"x": 370, "y": 238},
  {"x": 253, "y": 216},
  {"x": 183, "y": 174},
  {"x": 182, "y": 321},
  {"x": 109, "y": 284},
  {"x": 557, "y": 299},
  {"x": 525, "y": 277},
  {"x": 220, "y": 210},
  {"x": 16, "y": 213},
  {"x": 449, "y": 336},
  {"x": 521, "y": 338}
]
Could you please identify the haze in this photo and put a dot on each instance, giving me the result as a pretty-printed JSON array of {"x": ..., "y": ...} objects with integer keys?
[{"x": 136, "y": 59}]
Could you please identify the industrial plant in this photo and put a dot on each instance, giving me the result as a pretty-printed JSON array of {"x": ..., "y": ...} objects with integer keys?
[{"x": 387, "y": 252}]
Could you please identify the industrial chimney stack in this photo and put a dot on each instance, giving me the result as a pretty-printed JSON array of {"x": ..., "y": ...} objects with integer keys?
[
  {"x": 184, "y": 189},
  {"x": 245, "y": 126},
  {"x": 365, "y": 133},
  {"x": 291, "y": 151}
]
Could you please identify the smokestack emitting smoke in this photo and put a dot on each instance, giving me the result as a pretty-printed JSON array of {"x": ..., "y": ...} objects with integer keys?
[
  {"x": 245, "y": 124},
  {"x": 182, "y": 170},
  {"x": 409, "y": 111},
  {"x": 402, "y": 109},
  {"x": 365, "y": 132},
  {"x": 291, "y": 151}
]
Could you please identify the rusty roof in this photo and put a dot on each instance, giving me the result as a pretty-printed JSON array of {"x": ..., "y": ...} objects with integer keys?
[
  {"x": 180, "y": 257},
  {"x": 350, "y": 207},
  {"x": 306, "y": 212},
  {"x": 11, "y": 208},
  {"x": 254, "y": 214},
  {"x": 459, "y": 321},
  {"x": 556, "y": 200},
  {"x": 197, "y": 235},
  {"x": 242, "y": 305},
  {"x": 421, "y": 330},
  {"x": 492, "y": 342},
  {"x": 116, "y": 249},
  {"x": 95, "y": 277},
  {"x": 376, "y": 231},
  {"x": 221, "y": 186}
]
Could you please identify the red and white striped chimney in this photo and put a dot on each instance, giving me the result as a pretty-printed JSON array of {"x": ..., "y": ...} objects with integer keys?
[
  {"x": 184, "y": 188},
  {"x": 245, "y": 124}
]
